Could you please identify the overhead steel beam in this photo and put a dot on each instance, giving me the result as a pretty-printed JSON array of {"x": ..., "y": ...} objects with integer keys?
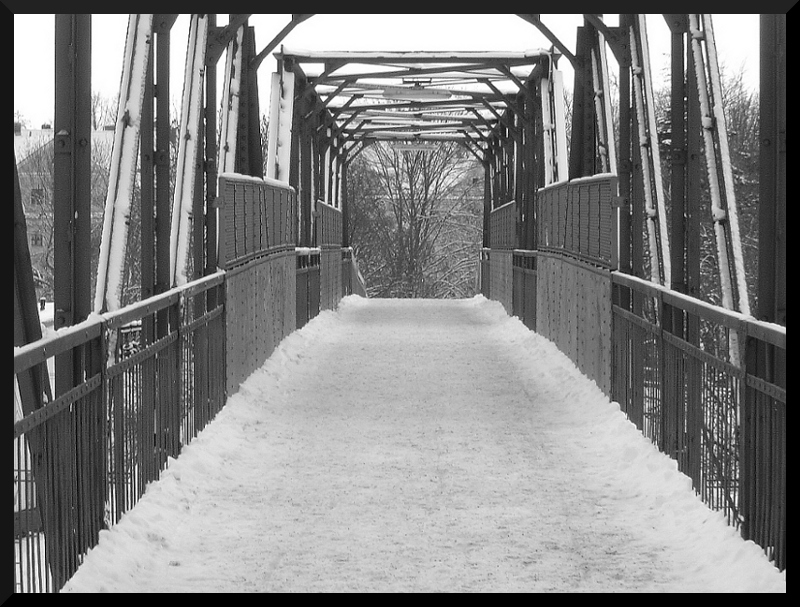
[
  {"x": 255, "y": 62},
  {"x": 554, "y": 40},
  {"x": 473, "y": 147},
  {"x": 451, "y": 70},
  {"x": 453, "y": 104},
  {"x": 220, "y": 37}
]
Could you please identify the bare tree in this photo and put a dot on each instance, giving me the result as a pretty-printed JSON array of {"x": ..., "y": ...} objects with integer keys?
[
  {"x": 424, "y": 214},
  {"x": 104, "y": 110}
]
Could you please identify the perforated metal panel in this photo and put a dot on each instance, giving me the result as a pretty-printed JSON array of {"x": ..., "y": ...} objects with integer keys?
[
  {"x": 573, "y": 309},
  {"x": 256, "y": 218},
  {"x": 577, "y": 218},
  {"x": 261, "y": 310}
]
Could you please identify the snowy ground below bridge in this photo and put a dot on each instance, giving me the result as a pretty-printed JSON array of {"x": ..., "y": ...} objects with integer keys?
[{"x": 422, "y": 445}]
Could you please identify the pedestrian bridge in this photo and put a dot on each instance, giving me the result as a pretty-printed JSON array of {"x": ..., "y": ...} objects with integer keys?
[{"x": 579, "y": 243}]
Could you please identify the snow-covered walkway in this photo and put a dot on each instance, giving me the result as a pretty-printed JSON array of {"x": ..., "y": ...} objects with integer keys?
[{"x": 421, "y": 446}]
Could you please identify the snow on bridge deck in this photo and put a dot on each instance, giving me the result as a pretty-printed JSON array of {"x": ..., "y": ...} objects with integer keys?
[{"x": 421, "y": 446}]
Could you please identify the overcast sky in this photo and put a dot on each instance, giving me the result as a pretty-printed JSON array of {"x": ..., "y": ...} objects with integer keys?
[{"x": 737, "y": 41}]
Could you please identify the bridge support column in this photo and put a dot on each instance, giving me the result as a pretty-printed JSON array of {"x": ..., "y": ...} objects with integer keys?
[{"x": 72, "y": 182}]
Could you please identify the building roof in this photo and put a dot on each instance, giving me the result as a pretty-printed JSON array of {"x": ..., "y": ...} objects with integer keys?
[{"x": 30, "y": 141}]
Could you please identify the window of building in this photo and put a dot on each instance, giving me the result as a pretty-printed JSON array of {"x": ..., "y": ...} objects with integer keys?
[
  {"x": 37, "y": 196},
  {"x": 36, "y": 239}
]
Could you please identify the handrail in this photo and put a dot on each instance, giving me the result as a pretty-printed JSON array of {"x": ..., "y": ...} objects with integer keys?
[
  {"x": 257, "y": 218},
  {"x": 133, "y": 410},
  {"x": 503, "y": 206},
  {"x": 577, "y": 218},
  {"x": 770, "y": 333},
  {"x": 329, "y": 225},
  {"x": 61, "y": 341},
  {"x": 67, "y": 338}
]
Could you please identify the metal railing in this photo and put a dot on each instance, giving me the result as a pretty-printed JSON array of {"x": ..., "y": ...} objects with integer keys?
[
  {"x": 329, "y": 225},
  {"x": 257, "y": 217},
  {"x": 258, "y": 234},
  {"x": 687, "y": 374},
  {"x": 153, "y": 374},
  {"x": 85, "y": 458},
  {"x": 503, "y": 227},
  {"x": 680, "y": 373},
  {"x": 524, "y": 295},
  {"x": 307, "y": 300},
  {"x": 577, "y": 218}
]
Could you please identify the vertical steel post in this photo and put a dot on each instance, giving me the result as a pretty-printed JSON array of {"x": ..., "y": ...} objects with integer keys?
[
  {"x": 147, "y": 199},
  {"x": 673, "y": 320},
  {"x": 487, "y": 195},
  {"x": 306, "y": 130},
  {"x": 582, "y": 148},
  {"x": 638, "y": 229},
  {"x": 294, "y": 159},
  {"x": 694, "y": 160},
  {"x": 772, "y": 171},
  {"x": 71, "y": 217},
  {"x": 673, "y": 370},
  {"x": 497, "y": 170},
  {"x": 72, "y": 181},
  {"x": 757, "y": 455},
  {"x": 256, "y": 167},
  {"x": 345, "y": 206},
  {"x": 211, "y": 164},
  {"x": 531, "y": 168},
  {"x": 625, "y": 150},
  {"x": 694, "y": 167},
  {"x": 161, "y": 29},
  {"x": 198, "y": 201},
  {"x": 520, "y": 170},
  {"x": 678, "y": 155},
  {"x": 242, "y": 161}
]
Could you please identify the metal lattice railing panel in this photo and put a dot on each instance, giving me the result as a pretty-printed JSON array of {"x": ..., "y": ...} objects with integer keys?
[
  {"x": 675, "y": 377},
  {"x": 576, "y": 218},
  {"x": 85, "y": 458},
  {"x": 257, "y": 217}
]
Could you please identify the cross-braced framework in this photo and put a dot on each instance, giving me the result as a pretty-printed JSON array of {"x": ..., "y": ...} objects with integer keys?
[{"x": 585, "y": 242}]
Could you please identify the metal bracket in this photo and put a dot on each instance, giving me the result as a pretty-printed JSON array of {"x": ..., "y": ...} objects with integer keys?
[
  {"x": 620, "y": 202},
  {"x": 678, "y": 157},
  {"x": 617, "y": 40}
]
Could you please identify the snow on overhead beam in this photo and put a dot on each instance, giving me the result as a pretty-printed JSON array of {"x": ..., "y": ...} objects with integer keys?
[
  {"x": 342, "y": 73},
  {"x": 411, "y": 136},
  {"x": 458, "y": 92},
  {"x": 450, "y": 105},
  {"x": 410, "y": 56},
  {"x": 442, "y": 121},
  {"x": 418, "y": 115}
]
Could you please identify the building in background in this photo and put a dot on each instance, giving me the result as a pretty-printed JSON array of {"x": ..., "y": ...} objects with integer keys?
[{"x": 33, "y": 154}]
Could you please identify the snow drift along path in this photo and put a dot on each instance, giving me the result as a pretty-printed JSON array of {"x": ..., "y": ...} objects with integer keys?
[{"x": 421, "y": 446}]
